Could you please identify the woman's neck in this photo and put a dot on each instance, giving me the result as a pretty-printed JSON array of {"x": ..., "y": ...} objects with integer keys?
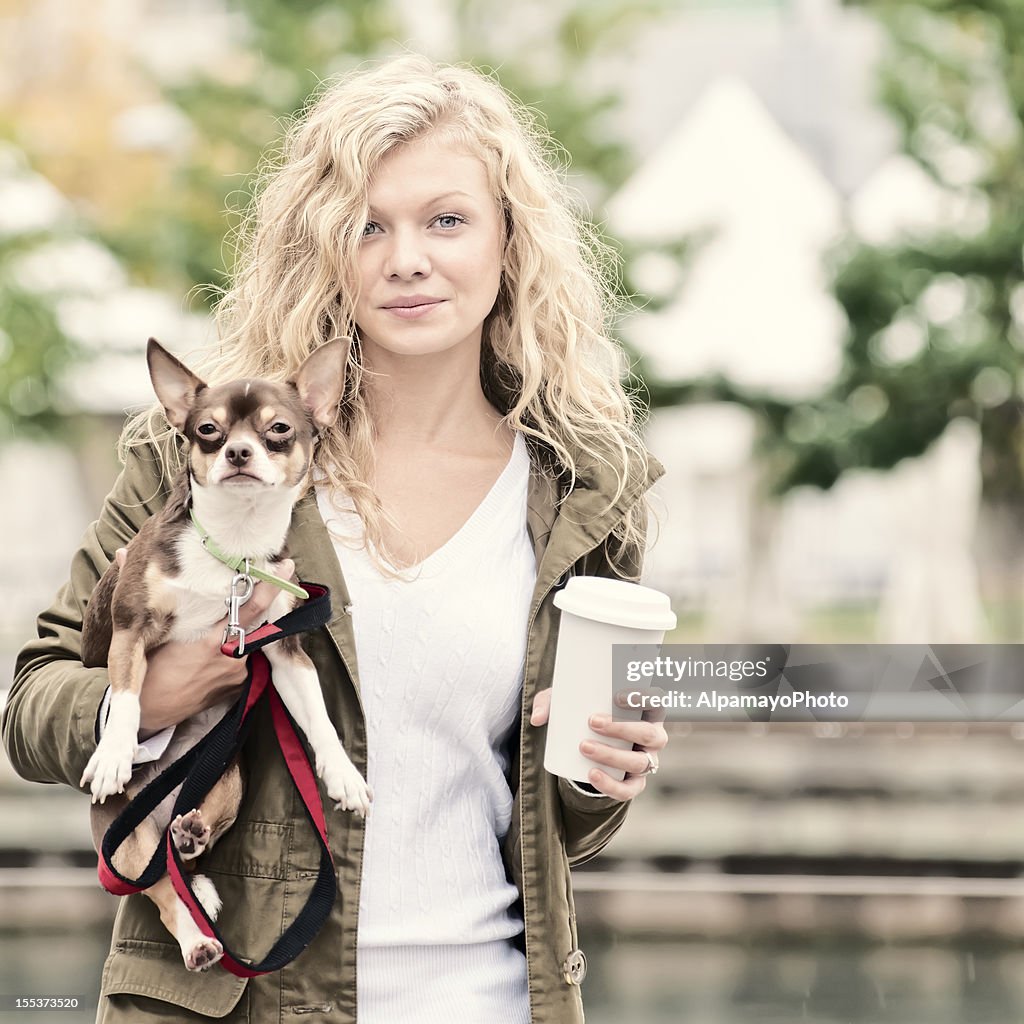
[{"x": 430, "y": 402}]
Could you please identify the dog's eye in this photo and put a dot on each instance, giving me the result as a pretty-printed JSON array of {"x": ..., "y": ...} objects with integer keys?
[
  {"x": 280, "y": 428},
  {"x": 207, "y": 429}
]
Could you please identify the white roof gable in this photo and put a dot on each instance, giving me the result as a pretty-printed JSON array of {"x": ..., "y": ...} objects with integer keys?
[{"x": 754, "y": 305}]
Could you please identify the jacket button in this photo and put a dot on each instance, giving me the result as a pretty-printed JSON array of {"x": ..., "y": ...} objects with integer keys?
[{"x": 574, "y": 967}]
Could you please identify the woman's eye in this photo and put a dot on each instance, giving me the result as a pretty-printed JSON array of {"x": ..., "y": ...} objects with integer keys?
[
  {"x": 369, "y": 229},
  {"x": 280, "y": 428},
  {"x": 450, "y": 220},
  {"x": 206, "y": 429}
]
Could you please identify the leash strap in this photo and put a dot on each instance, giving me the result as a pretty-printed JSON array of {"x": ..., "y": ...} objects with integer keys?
[
  {"x": 309, "y": 615},
  {"x": 198, "y": 770},
  {"x": 307, "y": 923}
]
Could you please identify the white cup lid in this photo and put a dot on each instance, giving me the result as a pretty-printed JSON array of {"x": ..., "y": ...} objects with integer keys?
[{"x": 616, "y": 602}]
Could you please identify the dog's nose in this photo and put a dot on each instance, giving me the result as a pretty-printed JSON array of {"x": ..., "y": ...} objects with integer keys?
[{"x": 238, "y": 454}]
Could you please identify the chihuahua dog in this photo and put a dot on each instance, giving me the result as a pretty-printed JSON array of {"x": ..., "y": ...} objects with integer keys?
[{"x": 250, "y": 450}]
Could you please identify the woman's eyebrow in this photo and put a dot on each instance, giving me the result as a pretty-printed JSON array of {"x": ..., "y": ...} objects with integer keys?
[
  {"x": 435, "y": 199},
  {"x": 447, "y": 195}
]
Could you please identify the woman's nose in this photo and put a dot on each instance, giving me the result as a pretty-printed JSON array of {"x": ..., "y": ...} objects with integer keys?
[{"x": 407, "y": 256}]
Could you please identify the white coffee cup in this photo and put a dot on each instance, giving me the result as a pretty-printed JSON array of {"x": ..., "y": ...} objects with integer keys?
[{"x": 596, "y": 613}]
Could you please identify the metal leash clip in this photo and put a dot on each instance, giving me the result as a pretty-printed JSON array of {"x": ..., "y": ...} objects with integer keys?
[{"x": 234, "y": 601}]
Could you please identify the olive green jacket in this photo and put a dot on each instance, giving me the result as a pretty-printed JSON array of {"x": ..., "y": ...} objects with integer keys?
[{"x": 264, "y": 866}]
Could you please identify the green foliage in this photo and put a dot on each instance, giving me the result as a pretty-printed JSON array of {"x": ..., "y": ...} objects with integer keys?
[
  {"x": 935, "y": 322},
  {"x": 33, "y": 348}
]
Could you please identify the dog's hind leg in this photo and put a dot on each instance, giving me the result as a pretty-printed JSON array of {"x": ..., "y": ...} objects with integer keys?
[
  {"x": 137, "y": 849},
  {"x": 199, "y": 951},
  {"x": 198, "y": 830}
]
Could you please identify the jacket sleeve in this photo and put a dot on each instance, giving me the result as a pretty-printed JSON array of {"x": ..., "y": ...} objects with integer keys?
[
  {"x": 592, "y": 819},
  {"x": 50, "y": 717}
]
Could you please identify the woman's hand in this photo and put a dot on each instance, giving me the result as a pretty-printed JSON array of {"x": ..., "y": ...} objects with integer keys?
[
  {"x": 647, "y": 736},
  {"x": 183, "y": 679}
]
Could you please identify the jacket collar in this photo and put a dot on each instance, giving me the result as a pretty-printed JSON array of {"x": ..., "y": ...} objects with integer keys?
[
  {"x": 311, "y": 548},
  {"x": 588, "y": 513}
]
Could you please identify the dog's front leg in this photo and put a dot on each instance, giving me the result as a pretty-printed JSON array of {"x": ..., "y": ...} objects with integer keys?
[
  {"x": 297, "y": 682},
  {"x": 110, "y": 766}
]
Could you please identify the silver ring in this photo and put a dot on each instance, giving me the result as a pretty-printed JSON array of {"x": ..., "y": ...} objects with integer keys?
[{"x": 652, "y": 764}]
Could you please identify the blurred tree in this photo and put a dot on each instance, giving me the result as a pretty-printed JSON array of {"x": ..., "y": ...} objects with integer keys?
[
  {"x": 936, "y": 319},
  {"x": 936, "y": 316},
  {"x": 33, "y": 347},
  {"x": 55, "y": 114}
]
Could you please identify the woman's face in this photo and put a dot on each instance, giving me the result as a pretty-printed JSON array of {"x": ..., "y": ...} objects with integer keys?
[{"x": 430, "y": 257}]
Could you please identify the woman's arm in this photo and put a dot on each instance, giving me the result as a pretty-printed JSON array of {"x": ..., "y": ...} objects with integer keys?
[
  {"x": 593, "y": 815},
  {"x": 49, "y": 721}
]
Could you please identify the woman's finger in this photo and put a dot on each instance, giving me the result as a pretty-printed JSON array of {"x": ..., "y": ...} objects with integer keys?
[
  {"x": 626, "y": 699},
  {"x": 632, "y": 761},
  {"x": 541, "y": 707},
  {"x": 628, "y": 788},
  {"x": 649, "y": 735}
]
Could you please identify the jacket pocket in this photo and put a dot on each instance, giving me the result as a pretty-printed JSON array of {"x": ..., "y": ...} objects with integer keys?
[
  {"x": 263, "y": 879},
  {"x": 249, "y": 869},
  {"x": 140, "y": 979},
  {"x": 250, "y": 849}
]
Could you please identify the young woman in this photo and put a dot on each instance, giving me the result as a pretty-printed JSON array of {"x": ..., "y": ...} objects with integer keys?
[{"x": 485, "y": 451}]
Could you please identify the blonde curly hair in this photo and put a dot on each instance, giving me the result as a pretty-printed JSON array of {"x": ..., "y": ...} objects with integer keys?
[{"x": 548, "y": 364}]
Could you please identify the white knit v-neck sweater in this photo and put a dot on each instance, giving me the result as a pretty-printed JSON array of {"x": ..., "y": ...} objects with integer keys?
[{"x": 440, "y": 663}]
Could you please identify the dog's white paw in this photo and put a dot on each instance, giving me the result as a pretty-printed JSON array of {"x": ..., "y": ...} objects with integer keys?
[
  {"x": 203, "y": 954},
  {"x": 345, "y": 786},
  {"x": 108, "y": 770}
]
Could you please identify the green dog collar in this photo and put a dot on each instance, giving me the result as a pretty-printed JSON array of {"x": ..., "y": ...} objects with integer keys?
[{"x": 242, "y": 564}]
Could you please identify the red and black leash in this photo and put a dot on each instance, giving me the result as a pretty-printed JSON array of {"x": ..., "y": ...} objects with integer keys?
[{"x": 197, "y": 772}]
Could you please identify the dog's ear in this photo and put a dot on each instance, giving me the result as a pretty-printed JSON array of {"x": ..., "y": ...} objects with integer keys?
[
  {"x": 320, "y": 381},
  {"x": 174, "y": 383}
]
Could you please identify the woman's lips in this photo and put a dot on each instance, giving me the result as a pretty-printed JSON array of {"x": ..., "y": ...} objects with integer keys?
[{"x": 413, "y": 312}]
